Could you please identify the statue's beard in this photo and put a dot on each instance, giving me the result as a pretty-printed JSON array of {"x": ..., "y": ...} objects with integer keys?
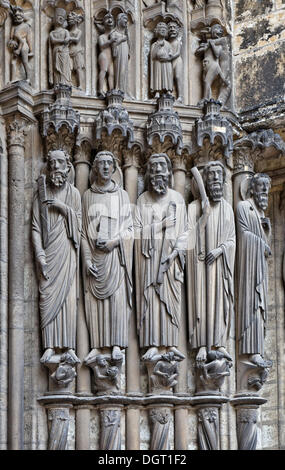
[
  {"x": 159, "y": 184},
  {"x": 58, "y": 177},
  {"x": 261, "y": 200},
  {"x": 215, "y": 191}
]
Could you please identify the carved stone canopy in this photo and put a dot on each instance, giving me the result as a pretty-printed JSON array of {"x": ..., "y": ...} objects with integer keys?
[
  {"x": 61, "y": 113},
  {"x": 165, "y": 122},
  {"x": 213, "y": 125}
]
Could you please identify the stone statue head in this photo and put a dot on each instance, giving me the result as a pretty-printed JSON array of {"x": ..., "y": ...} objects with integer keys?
[
  {"x": 214, "y": 176},
  {"x": 108, "y": 21},
  {"x": 58, "y": 167},
  {"x": 161, "y": 30},
  {"x": 217, "y": 31},
  {"x": 103, "y": 167},
  {"x": 259, "y": 189},
  {"x": 60, "y": 17},
  {"x": 74, "y": 18},
  {"x": 18, "y": 14},
  {"x": 173, "y": 29},
  {"x": 158, "y": 173},
  {"x": 101, "y": 361},
  {"x": 122, "y": 20}
]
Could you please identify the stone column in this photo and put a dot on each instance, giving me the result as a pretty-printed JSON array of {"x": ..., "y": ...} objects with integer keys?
[
  {"x": 82, "y": 170},
  {"x": 181, "y": 428},
  {"x": 16, "y": 184},
  {"x": 179, "y": 173},
  {"x": 208, "y": 420},
  {"x": 131, "y": 168},
  {"x": 110, "y": 422}
]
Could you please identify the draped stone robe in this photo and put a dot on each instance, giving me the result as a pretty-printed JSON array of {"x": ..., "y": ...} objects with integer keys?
[
  {"x": 210, "y": 288},
  {"x": 161, "y": 73},
  {"x": 253, "y": 279},
  {"x": 58, "y": 294},
  {"x": 159, "y": 304},
  {"x": 121, "y": 60},
  {"x": 108, "y": 296}
]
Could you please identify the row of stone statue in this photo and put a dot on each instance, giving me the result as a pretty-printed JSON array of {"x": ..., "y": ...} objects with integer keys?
[
  {"x": 66, "y": 54},
  {"x": 164, "y": 238}
]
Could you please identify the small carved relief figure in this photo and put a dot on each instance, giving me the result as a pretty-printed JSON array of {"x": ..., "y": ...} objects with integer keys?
[
  {"x": 76, "y": 49},
  {"x": 254, "y": 232},
  {"x": 65, "y": 372},
  {"x": 121, "y": 52},
  {"x": 56, "y": 227},
  {"x": 165, "y": 371},
  {"x": 215, "y": 53},
  {"x": 210, "y": 265},
  {"x": 107, "y": 242},
  {"x": 20, "y": 42},
  {"x": 106, "y": 373},
  {"x": 214, "y": 370},
  {"x": 160, "y": 223},
  {"x": 59, "y": 63},
  {"x": 198, "y": 4},
  {"x": 177, "y": 64},
  {"x": 105, "y": 58},
  {"x": 161, "y": 56}
]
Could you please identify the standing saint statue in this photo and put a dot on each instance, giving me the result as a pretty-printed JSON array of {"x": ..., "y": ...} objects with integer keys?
[
  {"x": 120, "y": 51},
  {"x": 161, "y": 56},
  {"x": 56, "y": 230},
  {"x": 216, "y": 64},
  {"x": 177, "y": 63},
  {"x": 105, "y": 59},
  {"x": 107, "y": 244},
  {"x": 253, "y": 230},
  {"x": 20, "y": 42},
  {"x": 59, "y": 58},
  {"x": 210, "y": 266},
  {"x": 160, "y": 225},
  {"x": 76, "y": 49}
]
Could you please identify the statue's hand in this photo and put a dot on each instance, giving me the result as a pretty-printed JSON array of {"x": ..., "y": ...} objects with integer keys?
[
  {"x": 213, "y": 255},
  {"x": 267, "y": 251},
  {"x": 169, "y": 260},
  {"x": 43, "y": 268},
  {"x": 107, "y": 245},
  {"x": 91, "y": 269},
  {"x": 56, "y": 204},
  {"x": 169, "y": 221}
]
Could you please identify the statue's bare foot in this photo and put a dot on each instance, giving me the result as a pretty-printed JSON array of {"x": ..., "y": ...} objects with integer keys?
[
  {"x": 179, "y": 99},
  {"x": 201, "y": 356},
  {"x": 90, "y": 358},
  {"x": 117, "y": 354},
  {"x": 257, "y": 359},
  {"x": 49, "y": 352},
  {"x": 177, "y": 352},
  {"x": 151, "y": 352},
  {"x": 71, "y": 352},
  {"x": 225, "y": 353}
]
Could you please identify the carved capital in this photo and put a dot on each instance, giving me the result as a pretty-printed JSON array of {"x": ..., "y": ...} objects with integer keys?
[
  {"x": 244, "y": 159},
  {"x": 82, "y": 153},
  {"x": 132, "y": 157},
  {"x": 16, "y": 132}
]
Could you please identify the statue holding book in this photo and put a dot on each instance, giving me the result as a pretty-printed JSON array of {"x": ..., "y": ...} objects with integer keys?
[{"x": 107, "y": 243}]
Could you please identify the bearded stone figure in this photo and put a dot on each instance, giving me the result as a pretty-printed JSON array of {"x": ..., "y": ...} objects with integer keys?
[
  {"x": 107, "y": 244},
  {"x": 56, "y": 227},
  {"x": 253, "y": 230},
  {"x": 59, "y": 58},
  {"x": 161, "y": 56},
  {"x": 160, "y": 225},
  {"x": 210, "y": 266}
]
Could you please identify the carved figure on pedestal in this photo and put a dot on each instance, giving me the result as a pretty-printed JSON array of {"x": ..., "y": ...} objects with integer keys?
[
  {"x": 177, "y": 63},
  {"x": 161, "y": 56},
  {"x": 212, "y": 373},
  {"x": 216, "y": 55},
  {"x": 106, "y": 373},
  {"x": 107, "y": 241},
  {"x": 105, "y": 58},
  {"x": 76, "y": 49},
  {"x": 210, "y": 265},
  {"x": 20, "y": 43},
  {"x": 121, "y": 52},
  {"x": 254, "y": 231},
  {"x": 59, "y": 58},
  {"x": 65, "y": 372},
  {"x": 56, "y": 230},
  {"x": 163, "y": 371},
  {"x": 160, "y": 224}
]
